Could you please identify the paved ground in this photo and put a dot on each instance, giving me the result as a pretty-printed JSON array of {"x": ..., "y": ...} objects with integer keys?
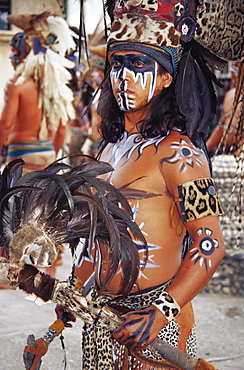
[{"x": 220, "y": 330}]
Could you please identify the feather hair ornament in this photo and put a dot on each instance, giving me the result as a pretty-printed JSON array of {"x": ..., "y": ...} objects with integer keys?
[
  {"x": 65, "y": 207},
  {"x": 8, "y": 189},
  {"x": 195, "y": 93}
]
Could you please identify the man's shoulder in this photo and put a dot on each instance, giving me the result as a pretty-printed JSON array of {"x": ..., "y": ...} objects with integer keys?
[
  {"x": 180, "y": 160},
  {"x": 12, "y": 83},
  {"x": 18, "y": 84},
  {"x": 13, "y": 88},
  {"x": 175, "y": 137}
]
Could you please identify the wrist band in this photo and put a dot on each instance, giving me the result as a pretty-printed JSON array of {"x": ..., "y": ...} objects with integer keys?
[{"x": 167, "y": 305}]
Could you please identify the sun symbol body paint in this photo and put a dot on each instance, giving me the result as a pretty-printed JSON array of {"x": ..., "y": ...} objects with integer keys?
[
  {"x": 133, "y": 79},
  {"x": 185, "y": 154}
]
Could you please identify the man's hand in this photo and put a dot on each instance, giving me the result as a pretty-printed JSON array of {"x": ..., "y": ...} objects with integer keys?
[
  {"x": 140, "y": 328},
  {"x": 60, "y": 310}
]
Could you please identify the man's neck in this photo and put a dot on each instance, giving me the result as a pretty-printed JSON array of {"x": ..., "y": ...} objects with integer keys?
[{"x": 133, "y": 120}]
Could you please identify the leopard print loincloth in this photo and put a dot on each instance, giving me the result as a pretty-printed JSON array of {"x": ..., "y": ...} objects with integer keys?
[
  {"x": 170, "y": 334},
  {"x": 101, "y": 351}
]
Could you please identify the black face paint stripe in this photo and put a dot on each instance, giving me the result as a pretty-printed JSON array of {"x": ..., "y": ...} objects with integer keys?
[{"x": 123, "y": 101}]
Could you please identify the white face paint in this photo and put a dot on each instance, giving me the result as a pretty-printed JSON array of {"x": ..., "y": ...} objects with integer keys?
[{"x": 133, "y": 78}]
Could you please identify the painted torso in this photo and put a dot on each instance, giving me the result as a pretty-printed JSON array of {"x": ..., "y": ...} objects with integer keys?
[{"x": 147, "y": 163}]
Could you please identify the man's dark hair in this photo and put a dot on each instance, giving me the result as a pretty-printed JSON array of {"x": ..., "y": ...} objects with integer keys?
[{"x": 162, "y": 117}]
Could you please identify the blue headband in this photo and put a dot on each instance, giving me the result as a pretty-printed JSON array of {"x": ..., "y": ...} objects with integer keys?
[{"x": 167, "y": 57}]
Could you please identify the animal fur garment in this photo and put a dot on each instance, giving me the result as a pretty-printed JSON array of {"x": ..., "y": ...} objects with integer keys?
[{"x": 204, "y": 365}]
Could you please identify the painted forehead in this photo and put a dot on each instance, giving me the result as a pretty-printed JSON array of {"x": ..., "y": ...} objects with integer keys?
[{"x": 133, "y": 60}]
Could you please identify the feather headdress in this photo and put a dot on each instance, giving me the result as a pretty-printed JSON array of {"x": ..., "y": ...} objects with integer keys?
[
  {"x": 48, "y": 38},
  {"x": 189, "y": 38}
]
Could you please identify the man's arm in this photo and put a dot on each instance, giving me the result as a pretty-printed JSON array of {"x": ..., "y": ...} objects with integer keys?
[
  {"x": 200, "y": 219},
  {"x": 199, "y": 212},
  {"x": 219, "y": 130},
  {"x": 58, "y": 138},
  {"x": 201, "y": 260},
  {"x": 9, "y": 112}
]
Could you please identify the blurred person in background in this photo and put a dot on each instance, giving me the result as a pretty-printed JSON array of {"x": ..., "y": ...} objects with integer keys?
[
  {"x": 85, "y": 137},
  {"x": 38, "y": 102},
  {"x": 225, "y": 145},
  {"x": 231, "y": 141}
]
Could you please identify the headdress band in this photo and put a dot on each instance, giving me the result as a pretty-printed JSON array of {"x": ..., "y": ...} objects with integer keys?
[{"x": 167, "y": 57}]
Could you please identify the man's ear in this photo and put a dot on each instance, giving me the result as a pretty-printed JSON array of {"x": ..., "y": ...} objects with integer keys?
[{"x": 167, "y": 79}]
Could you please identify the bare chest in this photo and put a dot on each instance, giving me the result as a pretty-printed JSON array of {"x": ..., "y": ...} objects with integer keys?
[{"x": 135, "y": 162}]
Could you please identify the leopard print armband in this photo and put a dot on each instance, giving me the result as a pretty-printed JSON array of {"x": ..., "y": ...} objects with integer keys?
[
  {"x": 199, "y": 198},
  {"x": 167, "y": 305}
]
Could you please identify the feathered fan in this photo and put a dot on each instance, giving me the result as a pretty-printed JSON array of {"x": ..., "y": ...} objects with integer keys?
[{"x": 62, "y": 208}]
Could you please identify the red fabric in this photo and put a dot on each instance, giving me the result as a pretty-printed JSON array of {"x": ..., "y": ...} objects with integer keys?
[{"x": 165, "y": 11}]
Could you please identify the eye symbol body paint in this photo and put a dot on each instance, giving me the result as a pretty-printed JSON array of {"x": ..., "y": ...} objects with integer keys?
[
  {"x": 207, "y": 246},
  {"x": 185, "y": 154}
]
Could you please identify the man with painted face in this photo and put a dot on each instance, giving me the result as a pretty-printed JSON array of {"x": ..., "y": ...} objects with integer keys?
[
  {"x": 152, "y": 152},
  {"x": 146, "y": 142},
  {"x": 154, "y": 118}
]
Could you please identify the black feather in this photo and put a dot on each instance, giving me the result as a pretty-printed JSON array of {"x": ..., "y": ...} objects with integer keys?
[
  {"x": 109, "y": 5},
  {"x": 11, "y": 173},
  {"x": 37, "y": 178},
  {"x": 195, "y": 93}
]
